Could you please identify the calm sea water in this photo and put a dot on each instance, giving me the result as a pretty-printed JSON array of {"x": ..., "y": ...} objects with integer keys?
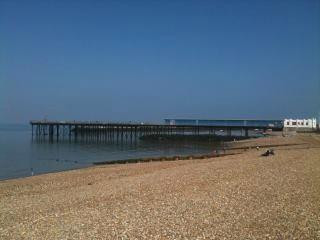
[{"x": 22, "y": 155}]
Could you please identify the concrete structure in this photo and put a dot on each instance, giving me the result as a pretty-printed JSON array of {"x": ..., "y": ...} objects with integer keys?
[
  {"x": 226, "y": 122},
  {"x": 300, "y": 124}
]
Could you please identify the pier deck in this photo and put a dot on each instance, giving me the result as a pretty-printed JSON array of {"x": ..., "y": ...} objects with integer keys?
[{"x": 74, "y": 128}]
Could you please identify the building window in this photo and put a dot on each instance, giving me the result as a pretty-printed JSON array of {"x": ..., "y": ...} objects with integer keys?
[
  {"x": 288, "y": 123},
  {"x": 307, "y": 123},
  {"x": 294, "y": 123}
]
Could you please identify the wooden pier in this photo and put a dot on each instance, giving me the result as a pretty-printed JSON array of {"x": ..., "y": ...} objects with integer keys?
[{"x": 133, "y": 130}]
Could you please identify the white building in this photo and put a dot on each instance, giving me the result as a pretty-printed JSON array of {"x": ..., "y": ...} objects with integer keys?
[{"x": 300, "y": 123}]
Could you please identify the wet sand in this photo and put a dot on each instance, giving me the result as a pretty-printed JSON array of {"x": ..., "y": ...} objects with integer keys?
[{"x": 242, "y": 196}]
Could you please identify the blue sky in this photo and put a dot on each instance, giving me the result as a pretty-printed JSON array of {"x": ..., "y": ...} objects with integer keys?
[{"x": 150, "y": 60}]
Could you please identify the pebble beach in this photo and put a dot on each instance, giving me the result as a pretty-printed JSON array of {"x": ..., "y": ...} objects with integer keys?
[{"x": 241, "y": 196}]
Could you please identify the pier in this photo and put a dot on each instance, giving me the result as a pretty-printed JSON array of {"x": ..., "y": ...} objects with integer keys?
[{"x": 135, "y": 130}]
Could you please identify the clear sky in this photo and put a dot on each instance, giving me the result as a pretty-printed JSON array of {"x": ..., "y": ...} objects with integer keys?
[{"x": 149, "y": 60}]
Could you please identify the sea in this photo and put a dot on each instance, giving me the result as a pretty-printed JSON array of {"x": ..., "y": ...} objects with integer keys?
[{"x": 23, "y": 155}]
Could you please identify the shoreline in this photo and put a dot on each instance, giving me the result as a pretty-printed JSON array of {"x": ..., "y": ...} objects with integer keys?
[
  {"x": 225, "y": 148},
  {"x": 229, "y": 148},
  {"x": 243, "y": 196},
  {"x": 125, "y": 159}
]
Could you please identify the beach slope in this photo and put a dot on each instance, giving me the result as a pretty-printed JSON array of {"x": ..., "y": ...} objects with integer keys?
[{"x": 244, "y": 196}]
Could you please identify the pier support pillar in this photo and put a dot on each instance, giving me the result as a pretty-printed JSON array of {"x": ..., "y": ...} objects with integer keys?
[
  {"x": 229, "y": 131},
  {"x": 76, "y": 131},
  {"x": 50, "y": 131}
]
